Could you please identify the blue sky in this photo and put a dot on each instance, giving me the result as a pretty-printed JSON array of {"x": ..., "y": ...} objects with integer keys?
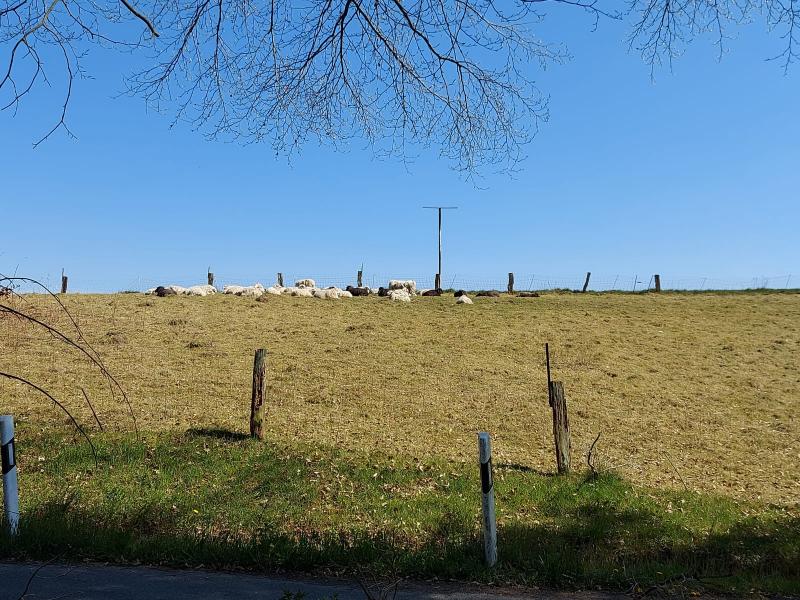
[{"x": 694, "y": 174}]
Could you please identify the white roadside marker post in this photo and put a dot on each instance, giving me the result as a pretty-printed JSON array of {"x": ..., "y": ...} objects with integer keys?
[
  {"x": 487, "y": 487},
  {"x": 9, "y": 462}
]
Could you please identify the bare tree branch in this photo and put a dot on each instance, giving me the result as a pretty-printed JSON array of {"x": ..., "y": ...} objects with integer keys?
[
  {"x": 455, "y": 75},
  {"x": 41, "y": 390},
  {"x": 82, "y": 345}
]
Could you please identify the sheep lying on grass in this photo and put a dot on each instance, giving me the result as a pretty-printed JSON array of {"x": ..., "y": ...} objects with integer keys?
[
  {"x": 177, "y": 290},
  {"x": 401, "y": 295},
  {"x": 404, "y": 284},
  {"x": 200, "y": 290},
  {"x": 253, "y": 291},
  {"x": 305, "y": 283},
  {"x": 463, "y": 300},
  {"x": 357, "y": 291},
  {"x": 326, "y": 294},
  {"x": 161, "y": 291}
]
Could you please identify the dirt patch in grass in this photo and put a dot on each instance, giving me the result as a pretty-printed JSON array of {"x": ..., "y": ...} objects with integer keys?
[{"x": 700, "y": 390}]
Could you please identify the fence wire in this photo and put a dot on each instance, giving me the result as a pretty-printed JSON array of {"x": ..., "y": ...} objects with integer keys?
[{"x": 522, "y": 281}]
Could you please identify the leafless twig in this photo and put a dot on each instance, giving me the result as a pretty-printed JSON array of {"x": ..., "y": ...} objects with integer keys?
[
  {"x": 590, "y": 455},
  {"x": 41, "y": 390}
]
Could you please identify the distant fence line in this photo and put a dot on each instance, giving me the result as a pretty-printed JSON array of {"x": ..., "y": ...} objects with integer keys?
[{"x": 521, "y": 281}]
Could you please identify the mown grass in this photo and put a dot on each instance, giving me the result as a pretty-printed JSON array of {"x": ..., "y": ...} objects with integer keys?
[{"x": 218, "y": 499}]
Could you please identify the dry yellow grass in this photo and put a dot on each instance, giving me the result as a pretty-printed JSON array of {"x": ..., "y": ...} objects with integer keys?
[{"x": 698, "y": 389}]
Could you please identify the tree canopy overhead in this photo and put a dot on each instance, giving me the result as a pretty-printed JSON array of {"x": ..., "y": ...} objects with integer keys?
[{"x": 458, "y": 75}]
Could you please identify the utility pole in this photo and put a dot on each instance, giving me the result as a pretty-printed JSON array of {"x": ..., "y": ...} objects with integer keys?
[{"x": 440, "y": 209}]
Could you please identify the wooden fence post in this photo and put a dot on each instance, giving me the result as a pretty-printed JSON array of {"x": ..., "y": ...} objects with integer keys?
[
  {"x": 257, "y": 406},
  {"x": 560, "y": 426},
  {"x": 586, "y": 283},
  {"x": 487, "y": 503},
  {"x": 658, "y": 282},
  {"x": 280, "y": 279},
  {"x": 63, "y": 283},
  {"x": 210, "y": 278},
  {"x": 510, "y": 283},
  {"x": 360, "y": 275},
  {"x": 437, "y": 282}
]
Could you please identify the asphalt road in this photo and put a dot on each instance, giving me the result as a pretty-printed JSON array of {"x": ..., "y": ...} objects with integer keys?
[{"x": 101, "y": 582}]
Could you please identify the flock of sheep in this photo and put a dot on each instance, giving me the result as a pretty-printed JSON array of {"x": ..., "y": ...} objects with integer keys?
[{"x": 398, "y": 290}]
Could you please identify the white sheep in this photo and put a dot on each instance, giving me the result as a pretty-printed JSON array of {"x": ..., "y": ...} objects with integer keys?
[
  {"x": 327, "y": 294},
  {"x": 275, "y": 290},
  {"x": 407, "y": 284},
  {"x": 254, "y": 291},
  {"x": 345, "y": 294},
  {"x": 302, "y": 293},
  {"x": 401, "y": 295},
  {"x": 241, "y": 290},
  {"x": 305, "y": 283},
  {"x": 200, "y": 290},
  {"x": 463, "y": 300}
]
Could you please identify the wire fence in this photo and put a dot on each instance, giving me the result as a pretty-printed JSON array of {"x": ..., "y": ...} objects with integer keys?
[{"x": 522, "y": 282}]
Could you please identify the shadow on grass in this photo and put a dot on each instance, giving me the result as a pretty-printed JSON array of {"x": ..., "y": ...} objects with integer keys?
[
  {"x": 597, "y": 545},
  {"x": 524, "y": 469},
  {"x": 216, "y": 433}
]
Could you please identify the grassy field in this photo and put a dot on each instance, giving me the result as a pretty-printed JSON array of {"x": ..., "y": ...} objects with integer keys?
[
  {"x": 215, "y": 499},
  {"x": 694, "y": 390},
  {"x": 371, "y": 439}
]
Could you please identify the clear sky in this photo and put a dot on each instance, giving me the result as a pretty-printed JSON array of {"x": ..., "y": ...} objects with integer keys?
[{"x": 694, "y": 174}]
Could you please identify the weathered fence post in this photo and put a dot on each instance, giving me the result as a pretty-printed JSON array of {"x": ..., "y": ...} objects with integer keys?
[
  {"x": 437, "y": 282},
  {"x": 9, "y": 462},
  {"x": 487, "y": 489},
  {"x": 558, "y": 402},
  {"x": 586, "y": 283},
  {"x": 560, "y": 426},
  {"x": 658, "y": 282},
  {"x": 257, "y": 406},
  {"x": 280, "y": 279},
  {"x": 360, "y": 275},
  {"x": 510, "y": 283},
  {"x": 210, "y": 277},
  {"x": 63, "y": 282}
]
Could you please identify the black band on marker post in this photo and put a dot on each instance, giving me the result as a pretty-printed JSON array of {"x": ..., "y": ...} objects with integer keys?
[
  {"x": 8, "y": 456},
  {"x": 486, "y": 477}
]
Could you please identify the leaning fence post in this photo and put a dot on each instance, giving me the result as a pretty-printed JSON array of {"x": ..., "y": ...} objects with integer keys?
[
  {"x": 510, "y": 283},
  {"x": 487, "y": 489},
  {"x": 210, "y": 277},
  {"x": 586, "y": 283},
  {"x": 558, "y": 402},
  {"x": 437, "y": 282},
  {"x": 280, "y": 279},
  {"x": 658, "y": 282},
  {"x": 9, "y": 462},
  {"x": 360, "y": 275},
  {"x": 257, "y": 406},
  {"x": 63, "y": 282}
]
